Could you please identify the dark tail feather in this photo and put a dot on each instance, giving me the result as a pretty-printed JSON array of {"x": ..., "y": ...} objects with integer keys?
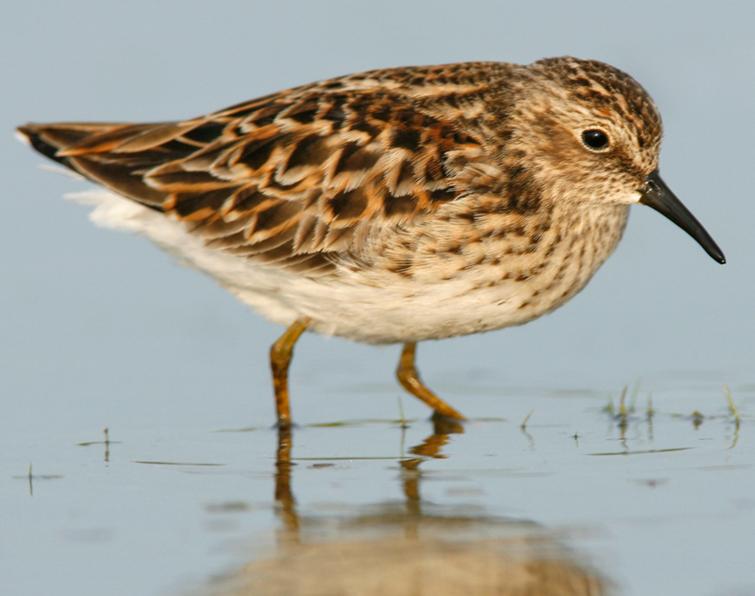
[
  {"x": 56, "y": 140},
  {"x": 50, "y": 139}
]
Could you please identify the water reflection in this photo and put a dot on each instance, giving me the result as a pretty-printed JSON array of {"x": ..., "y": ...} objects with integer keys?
[{"x": 412, "y": 547}]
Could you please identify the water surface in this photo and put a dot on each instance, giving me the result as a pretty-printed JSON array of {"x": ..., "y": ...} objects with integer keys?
[{"x": 589, "y": 496}]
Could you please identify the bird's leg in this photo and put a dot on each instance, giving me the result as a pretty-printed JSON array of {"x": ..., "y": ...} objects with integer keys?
[
  {"x": 409, "y": 377},
  {"x": 280, "y": 359}
]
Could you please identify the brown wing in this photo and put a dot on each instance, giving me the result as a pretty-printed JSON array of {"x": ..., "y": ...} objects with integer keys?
[{"x": 297, "y": 176}]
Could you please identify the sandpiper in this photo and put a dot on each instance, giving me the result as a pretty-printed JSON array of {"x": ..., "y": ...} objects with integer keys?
[{"x": 395, "y": 205}]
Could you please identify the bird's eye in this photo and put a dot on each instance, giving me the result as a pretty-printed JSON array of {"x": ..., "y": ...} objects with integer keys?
[{"x": 595, "y": 139}]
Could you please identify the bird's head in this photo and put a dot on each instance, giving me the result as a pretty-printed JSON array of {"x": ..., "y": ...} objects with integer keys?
[{"x": 594, "y": 135}]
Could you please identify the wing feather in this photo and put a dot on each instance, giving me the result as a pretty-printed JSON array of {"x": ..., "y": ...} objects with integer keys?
[{"x": 299, "y": 177}]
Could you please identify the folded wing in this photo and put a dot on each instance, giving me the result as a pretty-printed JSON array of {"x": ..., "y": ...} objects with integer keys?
[{"x": 295, "y": 178}]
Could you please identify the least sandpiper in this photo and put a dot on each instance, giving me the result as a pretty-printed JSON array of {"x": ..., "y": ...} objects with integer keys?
[{"x": 391, "y": 206}]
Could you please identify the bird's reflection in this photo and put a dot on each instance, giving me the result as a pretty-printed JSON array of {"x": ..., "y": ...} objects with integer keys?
[
  {"x": 431, "y": 447},
  {"x": 411, "y": 548}
]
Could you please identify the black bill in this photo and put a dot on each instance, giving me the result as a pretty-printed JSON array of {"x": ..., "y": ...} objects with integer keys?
[{"x": 659, "y": 196}]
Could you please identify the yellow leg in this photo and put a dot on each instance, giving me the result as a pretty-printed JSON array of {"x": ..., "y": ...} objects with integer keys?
[
  {"x": 409, "y": 377},
  {"x": 280, "y": 359}
]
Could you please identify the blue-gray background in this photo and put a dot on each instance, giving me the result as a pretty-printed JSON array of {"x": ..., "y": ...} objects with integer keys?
[
  {"x": 102, "y": 329},
  {"x": 91, "y": 316}
]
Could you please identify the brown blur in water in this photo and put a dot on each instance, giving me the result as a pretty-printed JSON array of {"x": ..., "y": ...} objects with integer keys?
[{"x": 410, "y": 548}]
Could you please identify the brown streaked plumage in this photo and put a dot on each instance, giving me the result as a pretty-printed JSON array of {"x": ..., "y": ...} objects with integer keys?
[{"x": 394, "y": 205}]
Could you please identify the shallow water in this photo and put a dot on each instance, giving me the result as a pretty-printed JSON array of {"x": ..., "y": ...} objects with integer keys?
[{"x": 588, "y": 497}]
